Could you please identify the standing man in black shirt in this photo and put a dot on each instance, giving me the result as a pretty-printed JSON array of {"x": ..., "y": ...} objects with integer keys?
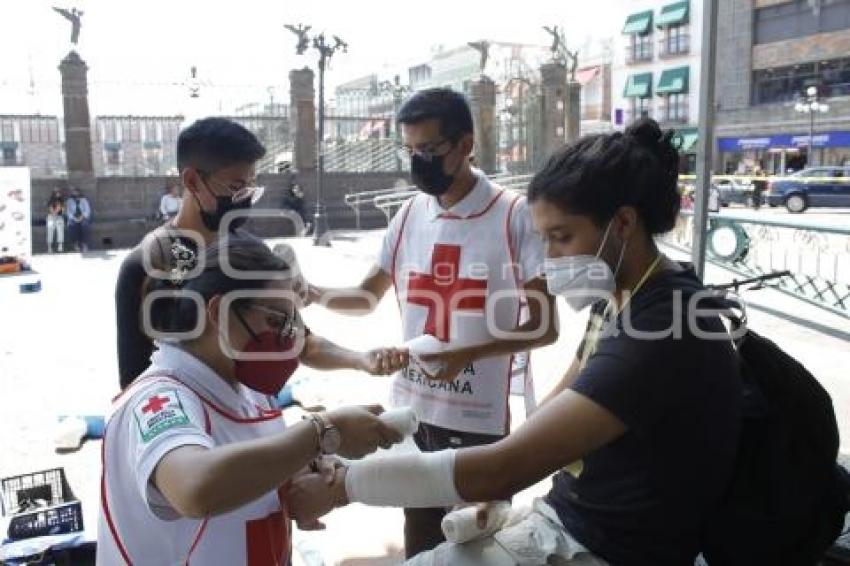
[{"x": 216, "y": 158}]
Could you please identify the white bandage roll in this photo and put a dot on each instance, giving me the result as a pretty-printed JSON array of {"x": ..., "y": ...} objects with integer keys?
[
  {"x": 462, "y": 525},
  {"x": 407, "y": 480},
  {"x": 425, "y": 344},
  {"x": 403, "y": 420}
]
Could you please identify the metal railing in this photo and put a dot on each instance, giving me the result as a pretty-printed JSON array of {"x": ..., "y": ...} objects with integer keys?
[
  {"x": 356, "y": 200},
  {"x": 390, "y": 200},
  {"x": 362, "y": 156},
  {"x": 817, "y": 256}
]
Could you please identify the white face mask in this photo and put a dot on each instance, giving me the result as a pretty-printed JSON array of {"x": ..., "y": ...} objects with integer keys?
[{"x": 582, "y": 279}]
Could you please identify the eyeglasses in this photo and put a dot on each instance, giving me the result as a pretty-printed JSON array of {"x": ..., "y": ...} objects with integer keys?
[
  {"x": 237, "y": 194},
  {"x": 427, "y": 152},
  {"x": 283, "y": 323}
]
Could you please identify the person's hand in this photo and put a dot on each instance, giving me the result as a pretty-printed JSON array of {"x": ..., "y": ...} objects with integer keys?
[
  {"x": 452, "y": 363},
  {"x": 361, "y": 430},
  {"x": 384, "y": 361},
  {"x": 312, "y": 495}
]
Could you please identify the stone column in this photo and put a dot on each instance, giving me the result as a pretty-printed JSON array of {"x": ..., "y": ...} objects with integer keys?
[
  {"x": 302, "y": 109},
  {"x": 482, "y": 101},
  {"x": 78, "y": 138},
  {"x": 554, "y": 76},
  {"x": 573, "y": 113}
]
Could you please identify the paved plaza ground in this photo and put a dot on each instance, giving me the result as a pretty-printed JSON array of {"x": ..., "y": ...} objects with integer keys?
[{"x": 57, "y": 356}]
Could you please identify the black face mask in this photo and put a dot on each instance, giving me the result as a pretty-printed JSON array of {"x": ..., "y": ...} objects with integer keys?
[
  {"x": 429, "y": 176},
  {"x": 223, "y": 205}
]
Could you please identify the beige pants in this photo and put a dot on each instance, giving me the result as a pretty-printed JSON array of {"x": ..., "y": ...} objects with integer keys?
[{"x": 532, "y": 536}]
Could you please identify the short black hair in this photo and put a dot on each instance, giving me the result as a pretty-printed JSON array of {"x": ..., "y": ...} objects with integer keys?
[
  {"x": 449, "y": 107},
  {"x": 597, "y": 174},
  {"x": 211, "y": 144}
]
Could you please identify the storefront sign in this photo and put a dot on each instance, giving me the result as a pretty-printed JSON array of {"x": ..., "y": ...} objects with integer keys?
[{"x": 779, "y": 141}]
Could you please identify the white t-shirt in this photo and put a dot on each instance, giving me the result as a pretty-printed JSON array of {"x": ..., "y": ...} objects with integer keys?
[
  {"x": 473, "y": 259},
  {"x": 191, "y": 406}
]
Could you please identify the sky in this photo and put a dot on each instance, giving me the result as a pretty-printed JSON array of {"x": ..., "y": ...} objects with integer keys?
[{"x": 139, "y": 53}]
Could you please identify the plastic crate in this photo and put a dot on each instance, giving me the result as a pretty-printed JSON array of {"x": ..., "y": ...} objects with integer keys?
[
  {"x": 40, "y": 503},
  {"x": 36, "y": 489},
  {"x": 55, "y": 520}
]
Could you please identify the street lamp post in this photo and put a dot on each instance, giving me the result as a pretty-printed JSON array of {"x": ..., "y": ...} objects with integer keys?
[
  {"x": 326, "y": 51},
  {"x": 811, "y": 105}
]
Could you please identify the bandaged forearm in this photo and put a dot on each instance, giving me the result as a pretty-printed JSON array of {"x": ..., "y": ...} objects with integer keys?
[{"x": 408, "y": 480}]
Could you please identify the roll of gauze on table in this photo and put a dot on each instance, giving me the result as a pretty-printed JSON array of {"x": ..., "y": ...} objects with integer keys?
[
  {"x": 402, "y": 419},
  {"x": 462, "y": 526},
  {"x": 425, "y": 344}
]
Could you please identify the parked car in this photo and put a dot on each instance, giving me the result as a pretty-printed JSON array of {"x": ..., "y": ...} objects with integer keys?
[
  {"x": 738, "y": 191},
  {"x": 827, "y": 186}
]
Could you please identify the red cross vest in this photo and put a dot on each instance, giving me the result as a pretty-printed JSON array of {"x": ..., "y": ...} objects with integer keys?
[
  {"x": 255, "y": 534},
  {"x": 456, "y": 278}
]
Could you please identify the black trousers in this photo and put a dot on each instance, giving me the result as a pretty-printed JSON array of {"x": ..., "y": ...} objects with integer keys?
[{"x": 422, "y": 526}]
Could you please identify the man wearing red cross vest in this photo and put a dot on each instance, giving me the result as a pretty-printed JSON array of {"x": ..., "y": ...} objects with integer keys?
[{"x": 466, "y": 266}]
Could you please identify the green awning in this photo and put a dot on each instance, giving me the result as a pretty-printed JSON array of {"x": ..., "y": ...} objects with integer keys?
[
  {"x": 674, "y": 14},
  {"x": 8, "y": 145},
  {"x": 673, "y": 81},
  {"x": 688, "y": 138},
  {"x": 638, "y": 23},
  {"x": 638, "y": 86},
  {"x": 112, "y": 146}
]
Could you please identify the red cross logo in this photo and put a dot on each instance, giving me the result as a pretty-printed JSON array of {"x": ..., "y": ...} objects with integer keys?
[
  {"x": 155, "y": 404},
  {"x": 437, "y": 289}
]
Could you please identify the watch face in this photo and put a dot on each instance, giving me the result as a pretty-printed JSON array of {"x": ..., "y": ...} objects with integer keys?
[{"x": 331, "y": 440}]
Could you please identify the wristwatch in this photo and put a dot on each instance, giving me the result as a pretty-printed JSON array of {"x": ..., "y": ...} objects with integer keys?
[{"x": 328, "y": 434}]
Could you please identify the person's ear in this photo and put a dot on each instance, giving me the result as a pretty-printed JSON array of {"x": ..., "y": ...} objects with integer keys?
[
  {"x": 214, "y": 311},
  {"x": 466, "y": 145},
  {"x": 627, "y": 222},
  {"x": 190, "y": 179}
]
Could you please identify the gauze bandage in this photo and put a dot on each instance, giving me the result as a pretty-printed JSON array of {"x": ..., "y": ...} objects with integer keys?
[
  {"x": 403, "y": 420},
  {"x": 462, "y": 525},
  {"x": 407, "y": 480},
  {"x": 421, "y": 345}
]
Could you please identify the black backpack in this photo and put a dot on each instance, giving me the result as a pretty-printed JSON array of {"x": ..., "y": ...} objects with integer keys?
[{"x": 787, "y": 499}]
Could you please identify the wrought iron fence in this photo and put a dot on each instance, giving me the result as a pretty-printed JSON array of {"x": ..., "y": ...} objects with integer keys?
[
  {"x": 818, "y": 257},
  {"x": 363, "y": 156}
]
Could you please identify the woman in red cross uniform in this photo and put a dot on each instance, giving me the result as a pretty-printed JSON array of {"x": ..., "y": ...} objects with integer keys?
[{"x": 197, "y": 462}]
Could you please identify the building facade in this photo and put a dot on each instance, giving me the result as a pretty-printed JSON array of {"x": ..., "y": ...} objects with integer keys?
[
  {"x": 770, "y": 54},
  {"x": 137, "y": 146},
  {"x": 34, "y": 141},
  {"x": 595, "y": 74},
  {"x": 657, "y": 69}
]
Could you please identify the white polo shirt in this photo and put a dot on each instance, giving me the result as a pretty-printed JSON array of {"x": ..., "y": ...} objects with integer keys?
[
  {"x": 179, "y": 401},
  {"x": 458, "y": 275}
]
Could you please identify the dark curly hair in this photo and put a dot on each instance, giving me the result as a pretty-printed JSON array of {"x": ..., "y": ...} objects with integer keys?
[{"x": 598, "y": 174}]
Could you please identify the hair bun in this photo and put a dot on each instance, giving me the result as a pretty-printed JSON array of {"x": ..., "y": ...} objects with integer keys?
[{"x": 646, "y": 132}]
